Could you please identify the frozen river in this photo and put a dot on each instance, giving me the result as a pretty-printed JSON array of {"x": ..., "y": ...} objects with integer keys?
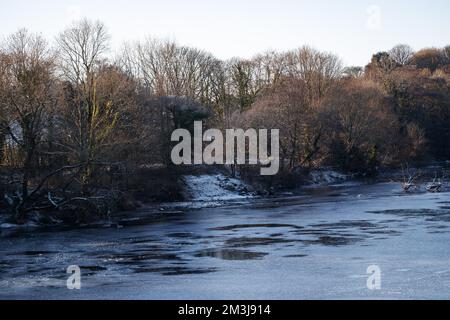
[{"x": 317, "y": 245}]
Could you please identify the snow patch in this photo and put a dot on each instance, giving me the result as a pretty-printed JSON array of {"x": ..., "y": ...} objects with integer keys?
[
  {"x": 215, "y": 187},
  {"x": 18, "y": 226},
  {"x": 327, "y": 177}
]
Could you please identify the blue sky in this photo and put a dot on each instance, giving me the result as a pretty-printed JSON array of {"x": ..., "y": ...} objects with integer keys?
[{"x": 353, "y": 29}]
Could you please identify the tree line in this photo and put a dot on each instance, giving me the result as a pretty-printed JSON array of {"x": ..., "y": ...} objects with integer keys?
[{"x": 78, "y": 126}]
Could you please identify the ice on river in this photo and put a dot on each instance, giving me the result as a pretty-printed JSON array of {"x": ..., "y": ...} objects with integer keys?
[{"x": 317, "y": 245}]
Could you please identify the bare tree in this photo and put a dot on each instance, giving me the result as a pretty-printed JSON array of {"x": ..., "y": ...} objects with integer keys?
[
  {"x": 287, "y": 106},
  {"x": 401, "y": 54},
  {"x": 167, "y": 69},
  {"x": 430, "y": 58},
  {"x": 88, "y": 120},
  {"x": 26, "y": 99},
  {"x": 319, "y": 70},
  {"x": 360, "y": 127},
  {"x": 81, "y": 48}
]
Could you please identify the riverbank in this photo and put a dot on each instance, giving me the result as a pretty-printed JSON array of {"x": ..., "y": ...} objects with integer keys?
[{"x": 159, "y": 191}]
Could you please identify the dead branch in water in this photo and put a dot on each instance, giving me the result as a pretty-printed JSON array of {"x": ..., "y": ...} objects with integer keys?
[
  {"x": 409, "y": 179},
  {"x": 437, "y": 184}
]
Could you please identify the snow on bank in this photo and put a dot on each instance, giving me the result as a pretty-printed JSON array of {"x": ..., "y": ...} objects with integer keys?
[
  {"x": 215, "y": 187},
  {"x": 326, "y": 177},
  {"x": 6, "y": 225}
]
